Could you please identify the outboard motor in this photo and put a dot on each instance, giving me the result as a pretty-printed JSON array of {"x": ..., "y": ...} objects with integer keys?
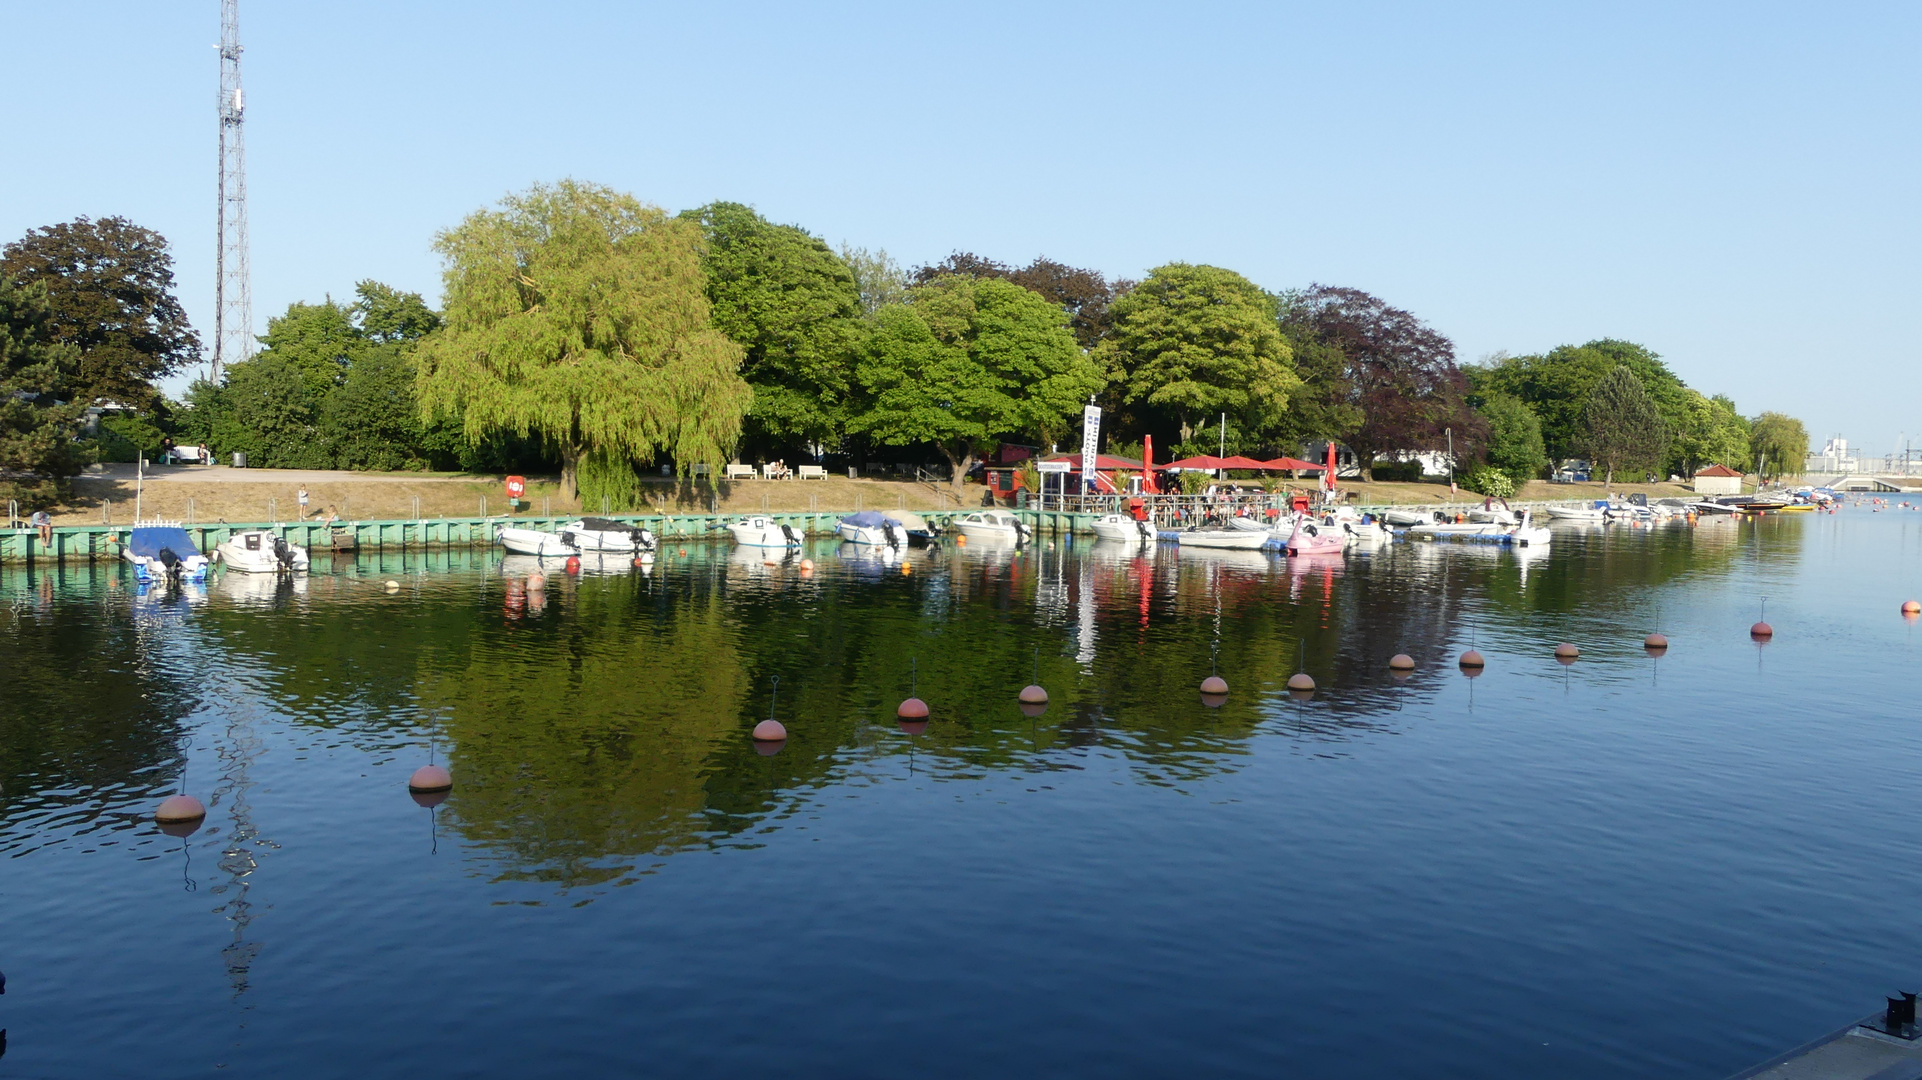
[
  {"x": 1022, "y": 533},
  {"x": 170, "y": 561},
  {"x": 568, "y": 538},
  {"x": 1147, "y": 531},
  {"x": 283, "y": 553},
  {"x": 897, "y": 536},
  {"x": 788, "y": 533}
]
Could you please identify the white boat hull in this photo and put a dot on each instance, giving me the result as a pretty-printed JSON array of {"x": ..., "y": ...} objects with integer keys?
[
  {"x": 1123, "y": 530},
  {"x": 534, "y": 542},
  {"x": 761, "y": 533},
  {"x": 1576, "y": 513},
  {"x": 1223, "y": 539},
  {"x": 263, "y": 558},
  {"x": 873, "y": 535}
]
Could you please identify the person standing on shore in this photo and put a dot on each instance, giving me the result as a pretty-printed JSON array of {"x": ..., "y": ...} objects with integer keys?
[{"x": 303, "y": 502}]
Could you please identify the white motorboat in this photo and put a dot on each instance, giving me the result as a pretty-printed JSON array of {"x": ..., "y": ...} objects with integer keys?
[
  {"x": 534, "y": 542},
  {"x": 875, "y": 529},
  {"x": 763, "y": 532},
  {"x": 590, "y": 534},
  {"x": 1523, "y": 533},
  {"x": 1231, "y": 539},
  {"x": 258, "y": 551},
  {"x": 920, "y": 529},
  {"x": 160, "y": 552},
  {"x": 1591, "y": 514},
  {"x": 1122, "y": 529},
  {"x": 1364, "y": 531},
  {"x": 993, "y": 525},
  {"x": 1408, "y": 518}
]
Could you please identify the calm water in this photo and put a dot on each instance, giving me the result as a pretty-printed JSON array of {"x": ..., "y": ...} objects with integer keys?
[{"x": 1627, "y": 866}]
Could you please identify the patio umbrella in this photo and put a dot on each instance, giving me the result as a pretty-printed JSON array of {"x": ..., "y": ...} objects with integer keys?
[
  {"x": 1204, "y": 461},
  {"x": 1148, "y": 465},
  {"x": 1292, "y": 463}
]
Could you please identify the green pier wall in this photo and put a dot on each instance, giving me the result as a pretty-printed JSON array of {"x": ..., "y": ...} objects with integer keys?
[{"x": 82, "y": 543}]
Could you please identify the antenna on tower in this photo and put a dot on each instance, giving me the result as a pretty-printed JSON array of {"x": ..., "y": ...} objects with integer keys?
[{"x": 233, "y": 303}]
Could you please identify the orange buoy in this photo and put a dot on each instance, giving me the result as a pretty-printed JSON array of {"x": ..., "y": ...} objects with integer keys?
[
  {"x": 1565, "y": 651},
  {"x": 573, "y": 564},
  {"x": 913, "y": 727},
  {"x": 430, "y": 778},
  {"x": 1033, "y": 708},
  {"x": 1401, "y": 662},
  {"x": 907, "y": 568},
  {"x": 1214, "y": 684},
  {"x": 769, "y": 731},
  {"x": 1033, "y": 695},
  {"x": 1655, "y": 642},
  {"x": 180, "y": 810},
  {"x": 1473, "y": 659},
  {"x": 807, "y": 564},
  {"x": 1761, "y": 630},
  {"x": 1911, "y": 607},
  {"x": 912, "y": 709},
  {"x": 1301, "y": 680},
  {"x": 961, "y": 541}
]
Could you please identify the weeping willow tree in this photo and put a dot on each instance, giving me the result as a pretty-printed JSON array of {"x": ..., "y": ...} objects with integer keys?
[{"x": 578, "y": 315}]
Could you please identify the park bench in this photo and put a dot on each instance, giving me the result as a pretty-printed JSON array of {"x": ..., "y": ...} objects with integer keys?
[
  {"x": 740, "y": 472},
  {"x": 811, "y": 472}
]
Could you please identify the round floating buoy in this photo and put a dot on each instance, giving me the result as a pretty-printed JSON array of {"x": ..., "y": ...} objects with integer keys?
[
  {"x": 1034, "y": 695},
  {"x": 961, "y": 541},
  {"x": 913, "y": 727},
  {"x": 907, "y": 568},
  {"x": 912, "y": 709},
  {"x": 769, "y": 748},
  {"x": 807, "y": 564},
  {"x": 1565, "y": 651},
  {"x": 769, "y": 731},
  {"x": 1472, "y": 660},
  {"x": 536, "y": 581},
  {"x": 430, "y": 778},
  {"x": 638, "y": 561},
  {"x": 1655, "y": 642},
  {"x": 1401, "y": 662},
  {"x": 1033, "y": 708},
  {"x": 1911, "y": 607},
  {"x": 179, "y": 815},
  {"x": 1761, "y": 630},
  {"x": 1214, "y": 684},
  {"x": 573, "y": 564},
  {"x": 393, "y": 586},
  {"x": 1301, "y": 680}
]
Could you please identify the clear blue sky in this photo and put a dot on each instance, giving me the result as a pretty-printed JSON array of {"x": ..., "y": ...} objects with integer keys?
[{"x": 1733, "y": 185}]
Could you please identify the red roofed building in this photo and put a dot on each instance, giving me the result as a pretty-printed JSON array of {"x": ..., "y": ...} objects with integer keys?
[{"x": 1718, "y": 480}]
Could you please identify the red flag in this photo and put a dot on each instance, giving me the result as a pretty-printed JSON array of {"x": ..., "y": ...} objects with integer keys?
[{"x": 1148, "y": 465}]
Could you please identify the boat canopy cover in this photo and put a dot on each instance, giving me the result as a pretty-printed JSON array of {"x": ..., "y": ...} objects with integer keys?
[
  {"x": 597, "y": 524},
  {"x": 147, "y": 542},
  {"x": 868, "y": 519}
]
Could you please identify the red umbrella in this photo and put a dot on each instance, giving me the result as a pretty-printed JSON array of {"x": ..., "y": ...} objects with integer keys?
[
  {"x": 1148, "y": 465},
  {"x": 1292, "y": 463},
  {"x": 1205, "y": 461},
  {"x": 1239, "y": 462}
]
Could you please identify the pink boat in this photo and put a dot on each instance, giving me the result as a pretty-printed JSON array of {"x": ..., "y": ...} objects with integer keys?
[{"x": 1313, "y": 538}]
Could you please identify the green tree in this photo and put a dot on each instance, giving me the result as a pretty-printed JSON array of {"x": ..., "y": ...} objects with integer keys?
[
  {"x": 967, "y": 362},
  {"x": 318, "y": 340},
  {"x": 880, "y": 279},
  {"x": 1780, "y": 444},
  {"x": 1323, "y": 407},
  {"x": 1624, "y": 430},
  {"x": 795, "y": 308},
  {"x": 1712, "y": 432},
  {"x": 110, "y": 290},
  {"x": 1514, "y": 438},
  {"x": 1086, "y": 295},
  {"x": 579, "y": 315},
  {"x": 37, "y": 424},
  {"x": 1557, "y": 384},
  {"x": 1194, "y": 341}
]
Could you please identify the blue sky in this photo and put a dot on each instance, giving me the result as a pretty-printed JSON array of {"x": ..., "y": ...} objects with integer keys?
[{"x": 1734, "y": 186}]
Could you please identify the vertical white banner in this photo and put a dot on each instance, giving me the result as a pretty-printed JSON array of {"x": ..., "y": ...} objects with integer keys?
[{"x": 1090, "y": 444}]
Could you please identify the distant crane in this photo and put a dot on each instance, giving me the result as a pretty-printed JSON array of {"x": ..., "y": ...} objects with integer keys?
[{"x": 233, "y": 302}]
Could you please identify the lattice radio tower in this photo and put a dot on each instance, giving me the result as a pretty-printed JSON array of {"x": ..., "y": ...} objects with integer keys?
[{"x": 233, "y": 304}]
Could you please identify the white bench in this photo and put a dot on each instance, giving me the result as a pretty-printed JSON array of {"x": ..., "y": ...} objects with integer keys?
[
  {"x": 740, "y": 472},
  {"x": 810, "y": 472},
  {"x": 181, "y": 454}
]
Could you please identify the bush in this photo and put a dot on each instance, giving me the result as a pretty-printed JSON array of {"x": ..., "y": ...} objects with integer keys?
[
  {"x": 1491, "y": 482},
  {"x": 1407, "y": 472},
  {"x": 125, "y": 438}
]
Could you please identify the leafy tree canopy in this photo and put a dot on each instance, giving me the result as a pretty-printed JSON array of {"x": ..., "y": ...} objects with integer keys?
[
  {"x": 879, "y": 278},
  {"x": 967, "y": 362},
  {"x": 1624, "y": 429},
  {"x": 110, "y": 292},
  {"x": 1711, "y": 433},
  {"x": 1194, "y": 341},
  {"x": 795, "y": 308},
  {"x": 1086, "y": 295},
  {"x": 1556, "y": 384},
  {"x": 1514, "y": 438},
  {"x": 1399, "y": 373},
  {"x": 37, "y": 427},
  {"x": 579, "y": 315},
  {"x": 1780, "y": 444}
]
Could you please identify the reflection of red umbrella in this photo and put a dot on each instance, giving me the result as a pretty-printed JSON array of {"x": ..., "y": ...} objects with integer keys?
[{"x": 1292, "y": 463}]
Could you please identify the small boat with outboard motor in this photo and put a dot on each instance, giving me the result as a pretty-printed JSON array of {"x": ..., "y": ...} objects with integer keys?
[
  {"x": 1524, "y": 533},
  {"x": 261, "y": 551},
  {"x": 873, "y": 528},
  {"x": 993, "y": 525},
  {"x": 596, "y": 534},
  {"x": 1594, "y": 513},
  {"x": 164, "y": 552},
  {"x": 764, "y": 532},
  {"x": 544, "y": 545},
  {"x": 1229, "y": 537},
  {"x": 1122, "y": 529}
]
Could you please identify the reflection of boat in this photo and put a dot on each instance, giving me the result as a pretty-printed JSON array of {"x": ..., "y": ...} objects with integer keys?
[
  {"x": 992, "y": 525},
  {"x": 258, "y": 551},
  {"x": 1311, "y": 537},
  {"x": 1120, "y": 528},
  {"x": 873, "y": 528},
  {"x": 1229, "y": 539},
  {"x": 868, "y": 560},
  {"x": 164, "y": 551},
  {"x": 606, "y": 534},
  {"x": 763, "y": 532},
  {"x": 1232, "y": 558},
  {"x": 259, "y": 589},
  {"x": 758, "y": 560},
  {"x": 534, "y": 542}
]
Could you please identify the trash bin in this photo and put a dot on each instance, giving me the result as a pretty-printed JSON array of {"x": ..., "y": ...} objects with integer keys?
[{"x": 240, "y": 459}]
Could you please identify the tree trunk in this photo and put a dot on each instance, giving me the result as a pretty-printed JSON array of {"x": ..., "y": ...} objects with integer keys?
[
  {"x": 960, "y": 460},
  {"x": 1608, "y": 474},
  {"x": 571, "y": 473},
  {"x": 1186, "y": 431}
]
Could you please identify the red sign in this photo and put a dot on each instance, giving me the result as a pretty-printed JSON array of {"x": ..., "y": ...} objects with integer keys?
[{"x": 516, "y": 486}]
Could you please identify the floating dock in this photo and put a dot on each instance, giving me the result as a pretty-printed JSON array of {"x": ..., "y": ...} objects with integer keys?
[{"x": 1885, "y": 1046}]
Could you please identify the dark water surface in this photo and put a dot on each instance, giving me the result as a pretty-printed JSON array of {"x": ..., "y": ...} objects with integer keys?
[{"x": 1626, "y": 867}]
